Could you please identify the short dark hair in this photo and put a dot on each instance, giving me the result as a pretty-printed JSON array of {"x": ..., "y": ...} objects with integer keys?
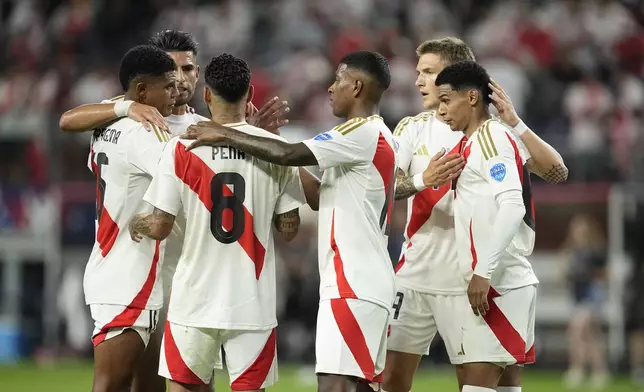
[
  {"x": 144, "y": 60},
  {"x": 450, "y": 49},
  {"x": 175, "y": 41},
  {"x": 228, "y": 77},
  {"x": 372, "y": 63},
  {"x": 466, "y": 74}
]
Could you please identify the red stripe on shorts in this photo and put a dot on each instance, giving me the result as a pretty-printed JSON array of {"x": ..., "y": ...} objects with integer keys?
[
  {"x": 177, "y": 367},
  {"x": 254, "y": 376},
  {"x": 509, "y": 338}
]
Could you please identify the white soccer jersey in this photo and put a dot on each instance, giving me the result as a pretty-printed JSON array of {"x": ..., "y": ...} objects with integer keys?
[
  {"x": 225, "y": 277},
  {"x": 494, "y": 164},
  {"x": 428, "y": 261},
  {"x": 123, "y": 158},
  {"x": 356, "y": 196}
]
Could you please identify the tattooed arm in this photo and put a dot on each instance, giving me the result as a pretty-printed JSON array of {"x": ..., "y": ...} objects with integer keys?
[
  {"x": 545, "y": 161},
  {"x": 441, "y": 170},
  {"x": 287, "y": 224},
  {"x": 404, "y": 186},
  {"x": 156, "y": 225}
]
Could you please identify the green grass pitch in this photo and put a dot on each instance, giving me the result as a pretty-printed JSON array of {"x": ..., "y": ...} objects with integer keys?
[{"x": 78, "y": 378}]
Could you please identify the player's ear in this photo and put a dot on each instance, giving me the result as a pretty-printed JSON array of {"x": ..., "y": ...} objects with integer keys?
[
  {"x": 474, "y": 96},
  {"x": 141, "y": 91},
  {"x": 198, "y": 72},
  {"x": 207, "y": 95},
  {"x": 251, "y": 93},
  {"x": 357, "y": 87}
]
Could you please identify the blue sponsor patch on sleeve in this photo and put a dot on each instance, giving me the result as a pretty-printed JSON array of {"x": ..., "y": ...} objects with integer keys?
[
  {"x": 396, "y": 146},
  {"x": 498, "y": 172},
  {"x": 323, "y": 136}
]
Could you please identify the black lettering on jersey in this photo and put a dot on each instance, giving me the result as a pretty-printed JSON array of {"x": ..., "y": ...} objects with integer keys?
[
  {"x": 108, "y": 135},
  {"x": 227, "y": 152}
]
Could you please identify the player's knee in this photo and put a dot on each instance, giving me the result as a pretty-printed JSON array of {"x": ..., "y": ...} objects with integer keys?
[
  {"x": 511, "y": 377},
  {"x": 103, "y": 383},
  {"x": 335, "y": 383},
  {"x": 396, "y": 380}
]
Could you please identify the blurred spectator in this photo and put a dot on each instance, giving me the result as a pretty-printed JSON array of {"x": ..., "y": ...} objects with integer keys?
[{"x": 586, "y": 253}]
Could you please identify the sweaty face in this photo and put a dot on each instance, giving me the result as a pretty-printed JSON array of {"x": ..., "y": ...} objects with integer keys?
[
  {"x": 162, "y": 93},
  {"x": 455, "y": 107},
  {"x": 342, "y": 92},
  {"x": 428, "y": 67},
  {"x": 187, "y": 75}
]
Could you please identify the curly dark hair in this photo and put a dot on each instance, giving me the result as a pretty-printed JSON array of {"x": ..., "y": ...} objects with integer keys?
[
  {"x": 175, "y": 41},
  {"x": 464, "y": 75},
  {"x": 144, "y": 60},
  {"x": 228, "y": 77}
]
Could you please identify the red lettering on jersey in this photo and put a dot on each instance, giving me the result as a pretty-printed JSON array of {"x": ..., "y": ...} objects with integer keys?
[
  {"x": 344, "y": 289},
  {"x": 385, "y": 162},
  {"x": 128, "y": 317},
  {"x": 197, "y": 175},
  {"x": 509, "y": 338},
  {"x": 424, "y": 202},
  {"x": 254, "y": 376}
]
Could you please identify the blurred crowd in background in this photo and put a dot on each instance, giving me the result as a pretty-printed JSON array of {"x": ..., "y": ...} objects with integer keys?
[{"x": 573, "y": 68}]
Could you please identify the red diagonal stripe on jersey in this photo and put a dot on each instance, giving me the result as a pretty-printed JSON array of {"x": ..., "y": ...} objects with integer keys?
[
  {"x": 197, "y": 176},
  {"x": 424, "y": 201},
  {"x": 254, "y": 376},
  {"x": 473, "y": 248},
  {"x": 344, "y": 289},
  {"x": 128, "y": 317},
  {"x": 509, "y": 338},
  {"x": 530, "y": 356},
  {"x": 177, "y": 367},
  {"x": 384, "y": 160},
  {"x": 353, "y": 336},
  {"x": 519, "y": 161},
  {"x": 401, "y": 262},
  {"x": 107, "y": 230}
]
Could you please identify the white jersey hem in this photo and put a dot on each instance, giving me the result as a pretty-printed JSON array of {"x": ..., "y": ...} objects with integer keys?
[
  {"x": 424, "y": 290},
  {"x": 227, "y": 326},
  {"x": 110, "y": 302}
]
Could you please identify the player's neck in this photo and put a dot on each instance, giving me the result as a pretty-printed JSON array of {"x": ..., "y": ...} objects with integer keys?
[
  {"x": 363, "y": 111},
  {"x": 228, "y": 115},
  {"x": 475, "y": 123},
  {"x": 180, "y": 110}
]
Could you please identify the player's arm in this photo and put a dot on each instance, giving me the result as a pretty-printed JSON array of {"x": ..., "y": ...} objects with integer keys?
[
  {"x": 288, "y": 223},
  {"x": 157, "y": 225},
  {"x": 441, "y": 169},
  {"x": 88, "y": 117},
  {"x": 501, "y": 172},
  {"x": 311, "y": 187},
  {"x": 544, "y": 160}
]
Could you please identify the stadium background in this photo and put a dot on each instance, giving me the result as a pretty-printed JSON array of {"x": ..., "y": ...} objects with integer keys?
[{"x": 573, "y": 68}]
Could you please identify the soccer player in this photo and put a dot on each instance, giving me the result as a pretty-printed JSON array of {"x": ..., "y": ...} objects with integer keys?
[
  {"x": 431, "y": 294},
  {"x": 121, "y": 280},
  {"x": 223, "y": 292},
  {"x": 494, "y": 218},
  {"x": 358, "y": 160}
]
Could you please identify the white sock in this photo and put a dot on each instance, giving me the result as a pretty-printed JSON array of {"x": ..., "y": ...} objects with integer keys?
[
  {"x": 472, "y": 388},
  {"x": 508, "y": 389}
]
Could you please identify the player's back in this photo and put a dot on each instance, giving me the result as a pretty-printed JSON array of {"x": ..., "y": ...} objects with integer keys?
[
  {"x": 120, "y": 271},
  {"x": 225, "y": 277},
  {"x": 494, "y": 164},
  {"x": 356, "y": 194}
]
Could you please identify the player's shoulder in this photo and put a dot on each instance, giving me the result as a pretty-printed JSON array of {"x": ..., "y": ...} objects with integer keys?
[
  {"x": 256, "y": 131},
  {"x": 361, "y": 124},
  {"x": 414, "y": 123},
  {"x": 198, "y": 117},
  {"x": 492, "y": 136}
]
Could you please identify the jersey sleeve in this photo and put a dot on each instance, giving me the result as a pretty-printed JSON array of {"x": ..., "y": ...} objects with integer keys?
[
  {"x": 404, "y": 143},
  {"x": 145, "y": 152},
  {"x": 291, "y": 192},
  {"x": 501, "y": 159},
  {"x": 346, "y": 144},
  {"x": 164, "y": 191}
]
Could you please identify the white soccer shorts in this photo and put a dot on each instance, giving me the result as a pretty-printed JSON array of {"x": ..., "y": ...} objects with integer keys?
[
  {"x": 189, "y": 355},
  {"x": 351, "y": 338},
  {"x": 417, "y": 316},
  {"x": 112, "y": 320},
  {"x": 505, "y": 335}
]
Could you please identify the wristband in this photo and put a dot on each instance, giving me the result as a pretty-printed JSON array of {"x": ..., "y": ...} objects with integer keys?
[
  {"x": 121, "y": 108},
  {"x": 520, "y": 129},
  {"x": 419, "y": 184}
]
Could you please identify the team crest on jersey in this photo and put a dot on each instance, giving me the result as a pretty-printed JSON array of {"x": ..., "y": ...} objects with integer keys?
[
  {"x": 498, "y": 171},
  {"x": 324, "y": 136}
]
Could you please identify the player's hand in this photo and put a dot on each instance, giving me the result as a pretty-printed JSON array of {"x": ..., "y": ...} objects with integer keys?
[
  {"x": 443, "y": 168},
  {"x": 270, "y": 117},
  {"x": 204, "y": 133},
  {"x": 503, "y": 105},
  {"x": 148, "y": 116},
  {"x": 136, "y": 237},
  {"x": 477, "y": 294}
]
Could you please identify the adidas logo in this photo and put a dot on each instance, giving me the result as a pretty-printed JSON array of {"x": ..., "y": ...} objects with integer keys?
[
  {"x": 422, "y": 151},
  {"x": 462, "y": 352}
]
